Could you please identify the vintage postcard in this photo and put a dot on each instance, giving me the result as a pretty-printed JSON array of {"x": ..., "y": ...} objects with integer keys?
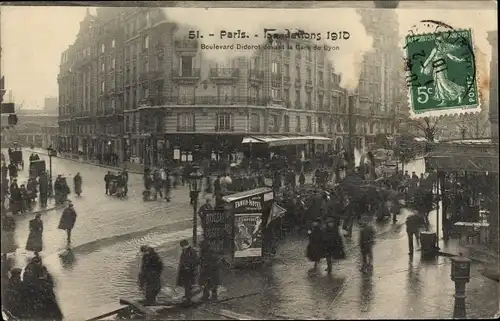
[{"x": 214, "y": 160}]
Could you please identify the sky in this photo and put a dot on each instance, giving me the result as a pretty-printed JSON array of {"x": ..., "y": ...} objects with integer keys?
[{"x": 33, "y": 38}]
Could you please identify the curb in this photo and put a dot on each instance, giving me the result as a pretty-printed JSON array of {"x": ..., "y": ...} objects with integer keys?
[
  {"x": 91, "y": 163},
  {"x": 474, "y": 259}
]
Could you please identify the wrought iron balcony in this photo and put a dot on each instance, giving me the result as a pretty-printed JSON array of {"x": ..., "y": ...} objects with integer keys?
[
  {"x": 144, "y": 76},
  {"x": 186, "y": 75},
  {"x": 186, "y": 45},
  {"x": 256, "y": 74},
  {"x": 184, "y": 128},
  {"x": 256, "y": 101},
  {"x": 276, "y": 77},
  {"x": 287, "y": 104},
  {"x": 224, "y": 129},
  {"x": 298, "y": 105},
  {"x": 224, "y": 73}
]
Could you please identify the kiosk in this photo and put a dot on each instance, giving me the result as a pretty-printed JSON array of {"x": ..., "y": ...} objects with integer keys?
[{"x": 246, "y": 228}]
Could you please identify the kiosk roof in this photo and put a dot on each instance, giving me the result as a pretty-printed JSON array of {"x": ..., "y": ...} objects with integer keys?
[{"x": 245, "y": 194}]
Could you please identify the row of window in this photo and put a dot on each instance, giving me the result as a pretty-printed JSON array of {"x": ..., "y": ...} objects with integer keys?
[{"x": 276, "y": 69}]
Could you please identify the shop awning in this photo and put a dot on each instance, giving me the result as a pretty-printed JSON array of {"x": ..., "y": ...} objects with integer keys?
[{"x": 279, "y": 140}]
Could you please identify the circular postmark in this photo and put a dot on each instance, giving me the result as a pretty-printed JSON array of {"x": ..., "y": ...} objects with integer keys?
[{"x": 440, "y": 65}]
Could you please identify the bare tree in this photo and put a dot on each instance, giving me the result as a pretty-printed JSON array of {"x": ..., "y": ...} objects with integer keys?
[
  {"x": 474, "y": 126},
  {"x": 427, "y": 126}
]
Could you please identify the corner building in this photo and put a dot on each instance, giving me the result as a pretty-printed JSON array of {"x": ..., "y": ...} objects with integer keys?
[{"x": 132, "y": 85}]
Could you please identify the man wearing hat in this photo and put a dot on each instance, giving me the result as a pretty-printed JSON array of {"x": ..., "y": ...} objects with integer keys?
[
  {"x": 68, "y": 219},
  {"x": 150, "y": 275},
  {"x": 188, "y": 264}
]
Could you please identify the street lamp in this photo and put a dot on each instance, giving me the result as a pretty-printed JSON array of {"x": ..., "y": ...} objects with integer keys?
[
  {"x": 51, "y": 152},
  {"x": 195, "y": 182}
]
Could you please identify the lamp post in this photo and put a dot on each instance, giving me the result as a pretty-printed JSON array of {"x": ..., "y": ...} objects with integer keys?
[
  {"x": 51, "y": 152},
  {"x": 195, "y": 182},
  {"x": 460, "y": 274}
]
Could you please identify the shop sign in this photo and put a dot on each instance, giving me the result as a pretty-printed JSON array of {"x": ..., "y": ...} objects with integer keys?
[{"x": 249, "y": 204}]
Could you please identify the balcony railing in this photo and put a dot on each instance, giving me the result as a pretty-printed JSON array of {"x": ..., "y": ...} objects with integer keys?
[
  {"x": 184, "y": 128},
  {"x": 276, "y": 77},
  {"x": 224, "y": 73},
  {"x": 194, "y": 73},
  {"x": 286, "y": 129},
  {"x": 287, "y": 104},
  {"x": 298, "y": 105},
  {"x": 255, "y": 74},
  {"x": 144, "y": 76},
  {"x": 186, "y": 45},
  {"x": 224, "y": 129}
]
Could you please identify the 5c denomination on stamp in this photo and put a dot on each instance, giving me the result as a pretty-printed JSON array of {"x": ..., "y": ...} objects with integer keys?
[{"x": 441, "y": 73}]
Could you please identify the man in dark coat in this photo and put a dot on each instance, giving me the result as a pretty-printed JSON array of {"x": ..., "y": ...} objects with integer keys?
[
  {"x": 209, "y": 271},
  {"x": 67, "y": 222},
  {"x": 35, "y": 240},
  {"x": 107, "y": 180},
  {"x": 150, "y": 274},
  {"x": 41, "y": 298},
  {"x": 12, "y": 170},
  {"x": 125, "y": 183},
  {"x": 414, "y": 223},
  {"x": 333, "y": 244},
  {"x": 15, "y": 295},
  {"x": 315, "y": 249},
  {"x": 188, "y": 264},
  {"x": 217, "y": 186}
]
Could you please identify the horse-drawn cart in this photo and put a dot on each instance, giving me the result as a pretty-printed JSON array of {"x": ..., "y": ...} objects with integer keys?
[{"x": 16, "y": 157}]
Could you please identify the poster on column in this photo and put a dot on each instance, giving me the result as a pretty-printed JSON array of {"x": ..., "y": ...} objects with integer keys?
[{"x": 248, "y": 235}]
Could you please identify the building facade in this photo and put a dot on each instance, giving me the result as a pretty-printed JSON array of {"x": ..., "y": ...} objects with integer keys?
[
  {"x": 132, "y": 85},
  {"x": 382, "y": 94},
  {"x": 34, "y": 127}
]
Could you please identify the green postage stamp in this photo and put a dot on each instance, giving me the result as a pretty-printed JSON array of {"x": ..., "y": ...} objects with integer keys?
[{"x": 441, "y": 73}]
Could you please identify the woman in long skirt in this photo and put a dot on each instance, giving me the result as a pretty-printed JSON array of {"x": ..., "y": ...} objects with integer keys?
[{"x": 35, "y": 242}]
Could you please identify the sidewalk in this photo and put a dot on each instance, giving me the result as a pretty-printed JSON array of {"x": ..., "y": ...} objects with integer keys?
[
  {"x": 39, "y": 209},
  {"x": 131, "y": 167}
]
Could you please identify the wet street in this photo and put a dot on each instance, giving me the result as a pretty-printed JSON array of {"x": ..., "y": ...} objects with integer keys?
[
  {"x": 106, "y": 238},
  {"x": 109, "y": 231}
]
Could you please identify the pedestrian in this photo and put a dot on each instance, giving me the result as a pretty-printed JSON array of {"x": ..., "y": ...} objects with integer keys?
[
  {"x": 366, "y": 243},
  {"x": 167, "y": 184},
  {"x": 209, "y": 271},
  {"x": 12, "y": 170},
  {"x": 77, "y": 184},
  {"x": 158, "y": 185},
  {"x": 15, "y": 295},
  {"x": 217, "y": 186},
  {"x": 202, "y": 212},
  {"x": 302, "y": 178},
  {"x": 107, "y": 181},
  {"x": 41, "y": 297},
  {"x": 188, "y": 264},
  {"x": 414, "y": 223},
  {"x": 8, "y": 234},
  {"x": 35, "y": 242},
  {"x": 125, "y": 183},
  {"x": 333, "y": 244},
  {"x": 315, "y": 248},
  {"x": 150, "y": 274},
  {"x": 24, "y": 199},
  {"x": 5, "y": 171},
  {"x": 67, "y": 221},
  {"x": 33, "y": 268}
]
